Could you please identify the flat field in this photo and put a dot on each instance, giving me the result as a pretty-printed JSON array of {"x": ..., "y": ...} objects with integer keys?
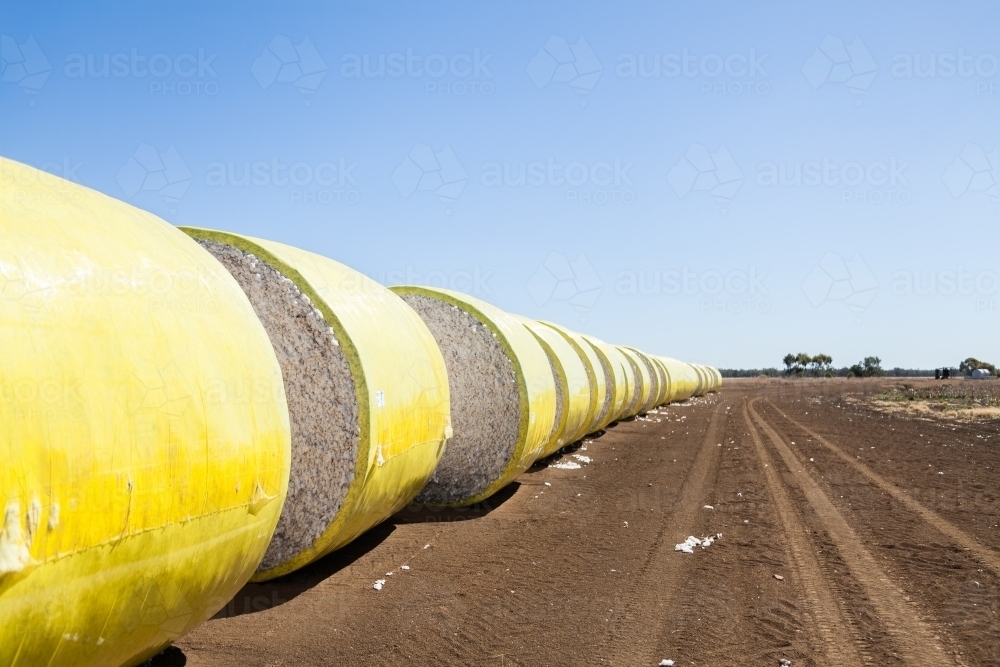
[{"x": 859, "y": 522}]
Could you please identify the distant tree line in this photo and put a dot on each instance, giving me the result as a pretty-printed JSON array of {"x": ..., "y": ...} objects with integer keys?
[
  {"x": 802, "y": 364},
  {"x": 821, "y": 365},
  {"x": 834, "y": 372}
]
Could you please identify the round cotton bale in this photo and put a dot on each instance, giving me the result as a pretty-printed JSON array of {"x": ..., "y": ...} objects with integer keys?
[
  {"x": 684, "y": 379},
  {"x": 643, "y": 383},
  {"x": 572, "y": 394},
  {"x": 613, "y": 363},
  {"x": 367, "y": 392},
  {"x": 717, "y": 385},
  {"x": 601, "y": 389},
  {"x": 709, "y": 378},
  {"x": 144, "y": 453},
  {"x": 655, "y": 381},
  {"x": 662, "y": 381},
  {"x": 666, "y": 388},
  {"x": 703, "y": 380},
  {"x": 503, "y": 395},
  {"x": 675, "y": 370}
]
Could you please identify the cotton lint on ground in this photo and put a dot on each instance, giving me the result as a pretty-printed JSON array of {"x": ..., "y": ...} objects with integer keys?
[
  {"x": 322, "y": 403},
  {"x": 485, "y": 403}
]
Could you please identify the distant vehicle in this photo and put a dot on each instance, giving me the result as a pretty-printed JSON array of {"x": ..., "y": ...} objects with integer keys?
[{"x": 981, "y": 374}]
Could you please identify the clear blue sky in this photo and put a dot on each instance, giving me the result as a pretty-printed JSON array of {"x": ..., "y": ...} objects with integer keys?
[{"x": 712, "y": 181}]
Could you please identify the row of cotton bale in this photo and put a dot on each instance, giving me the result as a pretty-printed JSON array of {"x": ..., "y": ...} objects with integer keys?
[{"x": 186, "y": 410}]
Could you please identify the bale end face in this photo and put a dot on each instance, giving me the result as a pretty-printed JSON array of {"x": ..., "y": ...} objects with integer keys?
[
  {"x": 485, "y": 403},
  {"x": 322, "y": 401}
]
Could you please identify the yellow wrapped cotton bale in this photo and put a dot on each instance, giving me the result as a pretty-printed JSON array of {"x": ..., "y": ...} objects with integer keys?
[
  {"x": 704, "y": 381},
  {"x": 613, "y": 363},
  {"x": 601, "y": 386},
  {"x": 367, "y": 393},
  {"x": 503, "y": 395},
  {"x": 643, "y": 383},
  {"x": 684, "y": 380},
  {"x": 717, "y": 385},
  {"x": 573, "y": 392},
  {"x": 665, "y": 387},
  {"x": 144, "y": 454},
  {"x": 655, "y": 381}
]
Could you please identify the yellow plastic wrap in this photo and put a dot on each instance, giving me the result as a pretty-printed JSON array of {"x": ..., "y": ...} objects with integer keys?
[
  {"x": 627, "y": 378},
  {"x": 665, "y": 388},
  {"x": 400, "y": 382},
  {"x": 536, "y": 385},
  {"x": 575, "y": 385},
  {"x": 654, "y": 379},
  {"x": 595, "y": 375},
  {"x": 144, "y": 453},
  {"x": 684, "y": 380},
  {"x": 643, "y": 383},
  {"x": 703, "y": 380},
  {"x": 717, "y": 385},
  {"x": 660, "y": 379},
  {"x": 620, "y": 381}
]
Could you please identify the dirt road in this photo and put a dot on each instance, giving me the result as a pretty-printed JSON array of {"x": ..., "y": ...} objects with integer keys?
[{"x": 848, "y": 536}]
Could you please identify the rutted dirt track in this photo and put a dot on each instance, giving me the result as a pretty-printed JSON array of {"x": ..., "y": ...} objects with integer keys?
[{"x": 882, "y": 559}]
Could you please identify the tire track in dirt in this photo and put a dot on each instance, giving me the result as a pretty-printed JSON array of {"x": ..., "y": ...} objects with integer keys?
[
  {"x": 838, "y": 640},
  {"x": 983, "y": 554},
  {"x": 635, "y": 635},
  {"x": 916, "y": 643}
]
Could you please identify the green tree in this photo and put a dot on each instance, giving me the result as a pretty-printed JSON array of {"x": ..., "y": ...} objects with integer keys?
[
  {"x": 867, "y": 367},
  {"x": 873, "y": 366},
  {"x": 802, "y": 361},
  {"x": 821, "y": 364},
  {"x": 789, "y": 362},
  {"x": 971, "y": 364}
]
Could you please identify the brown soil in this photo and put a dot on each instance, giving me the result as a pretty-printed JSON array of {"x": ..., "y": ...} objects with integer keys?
[{"x": 882, "y": 560}]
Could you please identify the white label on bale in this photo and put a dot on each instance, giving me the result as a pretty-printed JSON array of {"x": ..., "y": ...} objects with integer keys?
[{"x": 380, "y": 399}]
